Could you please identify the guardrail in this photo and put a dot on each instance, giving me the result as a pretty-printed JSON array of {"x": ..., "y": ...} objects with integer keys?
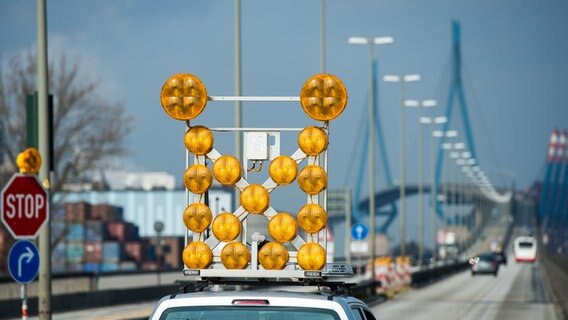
[{"x": 366, "y": 289}]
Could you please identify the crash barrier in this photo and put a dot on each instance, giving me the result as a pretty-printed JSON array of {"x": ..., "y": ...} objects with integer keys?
[
  {"x": 436, "y": 272},
  {"x": 367, "y": 290}
]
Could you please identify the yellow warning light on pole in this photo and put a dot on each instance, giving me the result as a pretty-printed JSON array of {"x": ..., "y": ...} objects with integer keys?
[
  {"x": 283, "y": 227},
  {"x": 227, "y": 170},
  {"x": 198, "y": 178},
  {"x": 273, "y": 256},
  {"x": 312, "y": 179},
  {"x": 197, "y": 255},
  {"x": 312, "y": 140},
  {"x": 312, "y": 218},
  {"x": 29, "y": 161},
  {"x": 183, "y": 96},
  {"x": 226, "y": 227},
  {"x": 199, "y": 140},
  {"x": 311, "y": 256},
  {"x": 323, "y": 97},
  {"x": 255, "y": 199},
  {"x": 235, "y": 255},
  {"x": 283, "y": 170},
  {"x": 197, "y": 217}
]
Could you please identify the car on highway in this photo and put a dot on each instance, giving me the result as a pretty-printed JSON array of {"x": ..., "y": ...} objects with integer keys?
[
  {"x": 525, "y": 249},
  {"x": 261, "y": 305},
  {"x": 484, "y": 263},
  {"x": 501, "y": 257}
]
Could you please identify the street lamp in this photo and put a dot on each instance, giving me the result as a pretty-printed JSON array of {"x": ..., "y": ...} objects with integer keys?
[
  {"x": 370, "y": 42},
  {"x": 402, "y": 80},
  {"x": 422, "y": 120}
]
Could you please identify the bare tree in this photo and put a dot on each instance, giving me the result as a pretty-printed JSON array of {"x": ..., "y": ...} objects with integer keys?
[{"x": 88, "y": 130}]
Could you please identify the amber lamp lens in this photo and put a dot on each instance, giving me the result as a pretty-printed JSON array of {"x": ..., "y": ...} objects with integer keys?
[
  {"x": 255, "y": 199},
  {"x": 226, "y": 227},
  {"x": 283, "y": 227},
  {"x": 312, "y": 179},
  {"x": 183, "y": 96},
  {"x": 283, "y": 170},
  {"x": 29, "y": 161},
  {"x": 273, "y": 256},
  {"x": 235, "y": 255},
  {"x": 197, "y": 255},
  {"x": 199, "y": 140},
  {"x": 323, "y": 97},
  {"x": 198, "y": 178},
  {"x": 312, "y": 140},
  {"x": 311, "y": 256},
  {"x": 312, "y": 218},
  {"x": 197, "y": 217},
  {"x": 227, "y": 170}
]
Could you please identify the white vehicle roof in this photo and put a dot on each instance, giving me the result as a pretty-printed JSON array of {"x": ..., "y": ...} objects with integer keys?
[{"x": 273, "y": 299}]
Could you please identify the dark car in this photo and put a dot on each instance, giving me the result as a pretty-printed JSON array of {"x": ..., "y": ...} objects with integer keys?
[
  {"x": 501, "y": 257},
  {"x": 484, "y": 263}
]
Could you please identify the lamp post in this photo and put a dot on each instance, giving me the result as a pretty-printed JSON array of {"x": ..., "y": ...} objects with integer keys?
[
  {"x": 402, "y": 80},
  {"x": 456, "y": 155},
  {"x": 421, "y": 120},
  {"x": 159, "y": 227},
  {"x": 370, "y": 42}
]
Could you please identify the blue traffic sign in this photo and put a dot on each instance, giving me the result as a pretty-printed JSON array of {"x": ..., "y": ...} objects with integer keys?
[
  {"x": 359, "y": 231},
  {"x": 23, "y": 261}
]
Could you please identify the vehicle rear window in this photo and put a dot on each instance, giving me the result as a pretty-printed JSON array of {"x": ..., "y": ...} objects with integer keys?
[
  {"x": 248, "y": 313},
  {"x": 525, "y": 244}
]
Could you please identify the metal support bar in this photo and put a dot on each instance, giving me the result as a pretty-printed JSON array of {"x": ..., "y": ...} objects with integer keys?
[{"x": 252, "y": 98}]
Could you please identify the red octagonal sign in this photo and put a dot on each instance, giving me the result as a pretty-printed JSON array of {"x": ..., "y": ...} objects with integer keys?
[{"x": 24, "y": 206}]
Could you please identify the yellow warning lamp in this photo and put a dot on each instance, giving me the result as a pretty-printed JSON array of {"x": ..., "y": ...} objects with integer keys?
[
  {"x": 312, "y": 140},
  {"x": 226, "y": 227},
  {"x": 198, "y": 178},
  {"x": 29, "y": 161},
  {"x": 235, "y": 255},
  {"x": 283, "y": 170},
  {"x": 227, "y": 170},
  {"x": 197, "y": 217},
  {"x": 199, "y": 140},
  {"x": 273, "y": 256},
  {"x": 255, "y": 199},
  {"x": 183, "y": 96},
  {"x": 311, "y": 256},
  {"x": 323, "y": 97},
  {"x": 197, "y": 255},
  {"x": 283, "y": 227},
  {"x": 312, "y": 179},
  {"x": 312, "y": 218}
]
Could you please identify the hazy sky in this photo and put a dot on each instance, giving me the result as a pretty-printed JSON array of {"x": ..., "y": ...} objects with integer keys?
[{"x": 514, "y": 54}]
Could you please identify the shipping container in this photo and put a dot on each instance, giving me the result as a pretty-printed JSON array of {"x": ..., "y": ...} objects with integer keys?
[
  {"x": 122, "y": 231},
  {"x": 57, "y": 212},
  {"x": 93, "y": 251},
  {"x": 57, "y": 231},
  {"x": 75, "y": 251},
  {"x": 106, "y": 212},
  {"x": 96, "y": 231},
  {"x": 77, "y": 211},
  {"x": 74, "y": 267},
  {"x": 75, "y": 231},
  {"x": 110, "y": 266},
  {"x": 58, "y": 266},
  {"x": 59, "y": 252},
  {"x": 113, "y": 251},
  {"x": 92, "y": 267},
  {"x": 135, "y": 250},
  {"x": 149, "y": 265},
  {"x": 128, "y": 266}
]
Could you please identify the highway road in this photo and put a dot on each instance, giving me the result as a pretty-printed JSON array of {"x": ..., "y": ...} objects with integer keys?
[{"x": 518, "y": 292}]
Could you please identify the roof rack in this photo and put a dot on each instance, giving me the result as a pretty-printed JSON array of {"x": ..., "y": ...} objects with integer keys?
[{"x": 335, "y": 287}]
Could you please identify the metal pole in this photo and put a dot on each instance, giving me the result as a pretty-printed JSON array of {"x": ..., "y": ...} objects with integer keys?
[
  {"x": 420, "y": 188},
  {"x": 402, "y": 172},
  {"x": 322, "y": 36},
  {"x": 238, "y": 91},
  {"x": 24, "y": 296},
  {"x": 371, "y": 147},
  {"x": 44, "y": 288},
  {"x": 433, "y": 198},
  {"x": 348, "y": 227}
]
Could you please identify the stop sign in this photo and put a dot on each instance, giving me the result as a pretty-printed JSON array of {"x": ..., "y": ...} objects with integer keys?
[{"x": 24, "y": 206}]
